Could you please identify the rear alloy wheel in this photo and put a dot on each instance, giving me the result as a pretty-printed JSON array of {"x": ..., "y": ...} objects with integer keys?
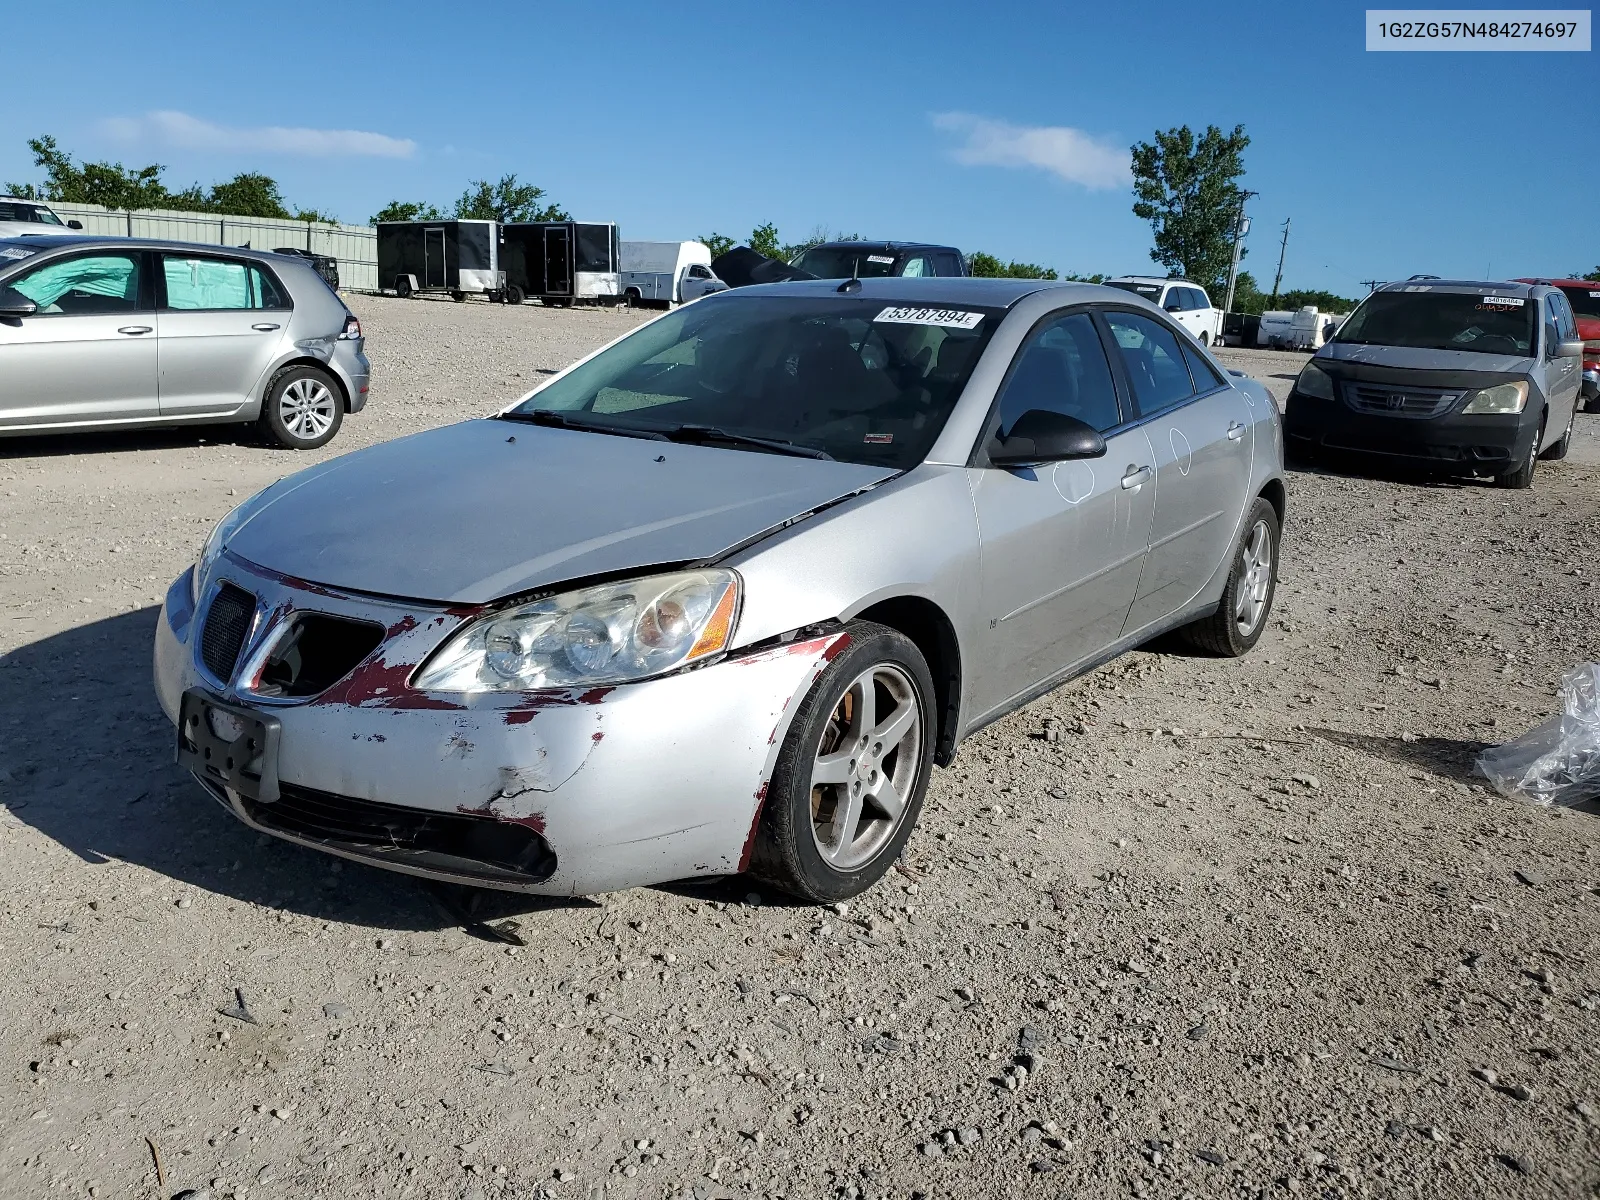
[
  {"x": 1522, "y": 477},
  {"x": 302, "y": 409},
  {"x": 1558, "y": 450},
  {"x": 1236, "y": 626},
  {"x": 850, "y": 779}
]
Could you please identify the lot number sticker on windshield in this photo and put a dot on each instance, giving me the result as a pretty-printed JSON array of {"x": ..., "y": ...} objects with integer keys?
[
  {"x": 1502, "y": 302},
  {"x": 880, "y": 258},
  {"x": 950, "y": 318}
]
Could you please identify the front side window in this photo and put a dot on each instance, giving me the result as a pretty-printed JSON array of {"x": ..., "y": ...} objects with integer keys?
[
  {"x": 1063, "y": 369},
  {"x": 1431, "y": 320},
  {"x": 1154, "y": 361},
  {"x": 947, "y": 264},
  {"x": 862, "y": 380},
  {"x": 917, "y": 268},
  {"x": 91, "y": 284},
  {"x": 699, "y": 272},
  {"x": 1201, "y": 373},
  {"x": 1201, "y": 300},
  {"x": 211, "y": 284}
]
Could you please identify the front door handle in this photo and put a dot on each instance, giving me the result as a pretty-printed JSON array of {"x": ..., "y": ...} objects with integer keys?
[
  {"x": 264, "y": 327},
  {"x": 134, "y": 330},
  {"x": 1235, "y": 432},
  {"x": 1137, "y": 476}
]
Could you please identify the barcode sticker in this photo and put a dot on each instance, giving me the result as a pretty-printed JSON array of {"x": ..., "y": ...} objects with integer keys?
[{"x": 950, "y": 318}]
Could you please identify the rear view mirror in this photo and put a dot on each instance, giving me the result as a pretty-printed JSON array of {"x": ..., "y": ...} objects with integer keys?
[
  {"x": 14, "y": 304},
  {"x": 1573, "y": 349},
  {"x": 1040, "y": 436}
]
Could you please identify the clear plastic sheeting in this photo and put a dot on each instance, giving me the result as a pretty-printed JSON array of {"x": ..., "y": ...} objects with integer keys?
[{"x": 1557, "y": 762}]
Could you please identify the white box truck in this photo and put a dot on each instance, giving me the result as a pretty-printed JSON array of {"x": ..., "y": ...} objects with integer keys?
[{"x": 667, "y": 273}]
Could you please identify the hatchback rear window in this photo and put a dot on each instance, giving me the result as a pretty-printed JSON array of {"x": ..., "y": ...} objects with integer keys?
[
  {"x": 1432, "y": 320},
  {"x": 862, "y": 380}
]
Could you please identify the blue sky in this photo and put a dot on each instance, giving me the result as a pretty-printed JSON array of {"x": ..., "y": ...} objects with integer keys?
[{"x": 997, "y": 127}]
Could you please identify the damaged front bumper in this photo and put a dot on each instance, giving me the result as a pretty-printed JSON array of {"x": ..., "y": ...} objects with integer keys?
[{"x": 560, "y": 793}]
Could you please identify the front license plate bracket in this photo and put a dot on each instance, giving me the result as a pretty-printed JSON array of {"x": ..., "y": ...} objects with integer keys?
[{"x": 244, "y": 757}]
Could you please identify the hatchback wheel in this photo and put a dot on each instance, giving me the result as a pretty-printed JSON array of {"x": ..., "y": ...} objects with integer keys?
[
  {"x": 302, "y": 409},
  {"x": 851, "y": 775},
  {"x": 1247, "y": 599}
]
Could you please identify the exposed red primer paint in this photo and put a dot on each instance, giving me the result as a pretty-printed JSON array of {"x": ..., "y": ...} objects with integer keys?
[
  {"x": 533, "y": 821},
  {"x": 597, "y": 737},
  {"x": 377, "y": 684},
  {"x": 530, "y": 705},
  {"x": 519, "y": 716},
  {"x": 837, "y": 648},
  {"x": 463, "y": 610},
  {"x": 303, "y": 585},
  {"x": 755, "y": 825}
]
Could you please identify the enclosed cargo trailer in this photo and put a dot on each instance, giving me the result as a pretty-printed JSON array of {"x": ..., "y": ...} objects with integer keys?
[
  {"x": 460, "y": 258},
  {"x": 561, "y": 262}
]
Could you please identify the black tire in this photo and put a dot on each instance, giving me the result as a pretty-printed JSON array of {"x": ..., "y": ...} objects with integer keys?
[
  {"x": 1593, "y": 405},
  {"x": 457, "y": 295},
  {"x": 1521, "y": 478},
  {"x": 513, "y": 294},
  {"x": 1557, "y": 450},
  {"x": 1205, "y": 339},
  {"x": 1222, "y": 633},
  {"x": 788, "y": 853},
  {"x": 631, "y": 297},
  {"x": 316, "y": 396},
  {"x": 402, "y": 288}
]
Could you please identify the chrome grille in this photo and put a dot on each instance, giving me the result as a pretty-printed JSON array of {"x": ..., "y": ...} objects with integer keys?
[
  {"x": 227, "y": 624},
  {"x": 1386, "y": 401}
]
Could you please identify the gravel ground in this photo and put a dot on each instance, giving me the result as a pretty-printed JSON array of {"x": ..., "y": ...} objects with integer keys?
[{"x": 1183, "y": 928}]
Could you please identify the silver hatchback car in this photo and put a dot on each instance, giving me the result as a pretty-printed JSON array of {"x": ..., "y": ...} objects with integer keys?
[
  {"x": 716, "y": 598},
  {"x": 99, "y": 333}
]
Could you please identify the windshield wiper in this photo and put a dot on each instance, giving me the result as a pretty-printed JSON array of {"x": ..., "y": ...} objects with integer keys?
[
  {"x": 561, "y": 420},
  {"x": 710, "y": 433}
]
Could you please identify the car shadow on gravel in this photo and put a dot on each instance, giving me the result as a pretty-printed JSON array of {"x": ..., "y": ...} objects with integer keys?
[
  {"x": 86, "y": 759},
  {"x": 60, "y": 445},
  {"x": 1448, "y": 758},
  {"x": 1332, "y": 465}
]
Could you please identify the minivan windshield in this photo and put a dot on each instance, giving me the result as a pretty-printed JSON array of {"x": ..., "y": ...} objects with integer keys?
[
  {"x": 1585, "y": 301},
  {"x": 836, "y": 262},
  {"x": 861, "y": 380},
  {"x": 1435, "y": 320}
]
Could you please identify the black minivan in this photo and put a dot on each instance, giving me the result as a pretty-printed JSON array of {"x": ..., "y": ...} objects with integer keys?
[{"x": 1463, "y": 377}]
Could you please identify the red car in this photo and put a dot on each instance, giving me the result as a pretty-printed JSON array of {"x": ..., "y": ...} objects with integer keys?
[{"x": 1584, "y": 296}]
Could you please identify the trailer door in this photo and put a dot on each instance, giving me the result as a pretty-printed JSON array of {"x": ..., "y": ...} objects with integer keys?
[
  {"x": 558, "y": 260},
  {"x": 433, "y": 272}
]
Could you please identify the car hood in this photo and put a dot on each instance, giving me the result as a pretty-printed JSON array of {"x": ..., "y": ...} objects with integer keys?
[
  {"x": 1411, "y": 358},
  {"x": 485, "y": 509},
  {"x": 11, "y": 229}
]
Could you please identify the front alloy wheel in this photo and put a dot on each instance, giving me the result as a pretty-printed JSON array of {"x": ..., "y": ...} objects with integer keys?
[{"x": 850, "y": 778}]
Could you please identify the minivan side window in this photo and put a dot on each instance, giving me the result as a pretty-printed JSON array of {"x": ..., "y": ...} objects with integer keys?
[
  {"x": 87, "y": 285},
  {"x": 1062, "y": 368},
  {"x": 1154, "y": 361},
  {"x": 212, "y": 284}
]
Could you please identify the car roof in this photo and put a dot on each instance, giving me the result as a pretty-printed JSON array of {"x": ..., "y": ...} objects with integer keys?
[
  {"x": 1151, "y": 279},
  {"x": 46, "y": 241},
  {"x": 1515, "y": 287},
  {"x": 984, "y": 292},
  {"x": 870, "y": 244},
  {"x": 1577, "y": 283}
]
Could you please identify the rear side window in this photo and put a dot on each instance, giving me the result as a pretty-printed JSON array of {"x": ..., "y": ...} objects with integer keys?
[
  {"x": 1062, "y": 369},
  {"x": 90, "y": 284},
  {"x": 947, "y": 264},
  {"x": 212, "y": 284},
  {"x": 1154, "y": 360}
]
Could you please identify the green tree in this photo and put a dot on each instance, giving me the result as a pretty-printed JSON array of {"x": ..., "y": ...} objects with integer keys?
[
  {"x": 764, "y": 240},
  {"x": 406, "y": 210},
  {"x": 1188, "y": 190},
  {"x": 987, "y": 266},
  {"x": 1317, "y": 299},
  {"x": 718, "y": 243},
  {"x": 507, "y": 200},
  {"x": 1593, "y": 276},
  {"x": 248, "y": 194},
  {"x": 109, "y": 184}
]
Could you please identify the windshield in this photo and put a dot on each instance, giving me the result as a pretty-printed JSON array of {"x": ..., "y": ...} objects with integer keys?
[
  {"x": 1585, "y": 301},
  {"x": 837, "y": 262},
  {"x": 862, "y": 380},
  {"x": 1148, "y": 290},
  {"x": 1443, "y": 321},
  {"x": 14, "y": 210}
]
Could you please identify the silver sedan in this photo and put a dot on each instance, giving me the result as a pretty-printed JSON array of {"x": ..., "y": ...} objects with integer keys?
[
  {"x": 116, "y": 333},
  {"x": 718, "y": 597}
]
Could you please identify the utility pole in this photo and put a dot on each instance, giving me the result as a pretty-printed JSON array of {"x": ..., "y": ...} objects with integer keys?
[
  {"x": 1241, "y": 226},
  {"x": 1371, "y": 284},
  {"x": 1282, "y": 250}
]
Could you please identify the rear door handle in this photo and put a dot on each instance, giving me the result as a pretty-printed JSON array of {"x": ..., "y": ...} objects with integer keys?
[
  {"x": 1235, "y": 432},
  {"x": 133, "y": 330},
  {"x": 264, "y": 327},
  {"x": 1137, "y": 476}
]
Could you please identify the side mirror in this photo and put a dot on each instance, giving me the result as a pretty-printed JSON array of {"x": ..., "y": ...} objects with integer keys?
[
  {"x": 1173, "y": 306},
  {"x": 1572, "y": 349},
  {"x": 1042, "y": 436},
  {"x": 74, "y": 224},
  {"x": 14, "y": 304}
]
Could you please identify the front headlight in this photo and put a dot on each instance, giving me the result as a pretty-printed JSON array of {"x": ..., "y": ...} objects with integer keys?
[
  {"x": 1314, "y": 382},
  {"x": 613, "y": 633},
  {"x": 1501, "y": 398},
  {"x": 212, "y": 549}
]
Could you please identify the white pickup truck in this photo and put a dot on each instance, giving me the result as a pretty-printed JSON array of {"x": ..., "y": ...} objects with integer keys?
[
  {"x": 667, "y": 272},
  {"x": 19, "y": 217},
  {"x": 1185, "y": 302}
]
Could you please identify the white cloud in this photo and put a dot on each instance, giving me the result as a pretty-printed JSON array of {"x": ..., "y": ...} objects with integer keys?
[
  {"x": 180, "y": 129},
  {"x": 1068, "y": 153}
]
